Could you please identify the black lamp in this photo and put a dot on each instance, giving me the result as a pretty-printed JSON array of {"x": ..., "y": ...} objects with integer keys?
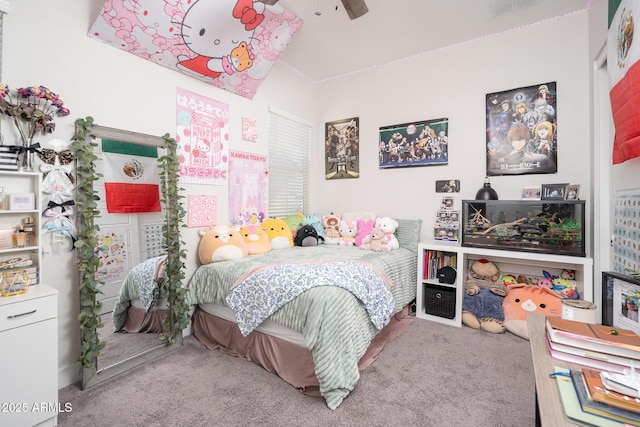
[{"x": 486, "y": 192}]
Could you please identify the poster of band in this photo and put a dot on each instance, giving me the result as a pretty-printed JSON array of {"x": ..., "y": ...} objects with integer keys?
[
  {"x": 522, "y": 131},
  {"x": 342, "y": 147},
  {"x": 424, "y": 143}
]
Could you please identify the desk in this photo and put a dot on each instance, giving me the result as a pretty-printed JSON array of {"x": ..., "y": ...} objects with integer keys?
[{"x": 548, "y": 404}]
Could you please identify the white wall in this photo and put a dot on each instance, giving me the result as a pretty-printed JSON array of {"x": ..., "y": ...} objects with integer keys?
[
  {"x": 45, "y": 43},
  {"x": 453, "y": 83}
]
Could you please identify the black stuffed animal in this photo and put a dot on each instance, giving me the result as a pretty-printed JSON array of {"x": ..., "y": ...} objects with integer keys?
[{"x": 307, "y": 236}]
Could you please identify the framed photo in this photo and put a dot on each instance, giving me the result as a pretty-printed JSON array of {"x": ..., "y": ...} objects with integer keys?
[
  {"x": 448, "y": 186},
  {"x": 342, "y": 149},
  {"x": 572, "y": 192},
  {"x": 553, "y": 191},
  {"x": 424, "y": 143},
  {"x": 531, "y": 193},
  {"x": 521, "y": 131},
  {"x": 620, "y": 301}
]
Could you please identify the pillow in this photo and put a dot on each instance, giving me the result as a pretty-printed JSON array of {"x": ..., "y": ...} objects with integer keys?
[
  {"x": 355, "y": 216},
  {"x": 408, "y": 233}
]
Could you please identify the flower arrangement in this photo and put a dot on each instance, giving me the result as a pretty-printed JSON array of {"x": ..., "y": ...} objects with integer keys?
[{"x": 31, "y": 109}]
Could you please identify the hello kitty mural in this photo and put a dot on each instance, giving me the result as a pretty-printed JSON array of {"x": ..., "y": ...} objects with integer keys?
[{"x": 231, "y": 44}]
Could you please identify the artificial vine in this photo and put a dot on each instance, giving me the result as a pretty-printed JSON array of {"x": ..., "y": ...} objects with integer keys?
[
  {"x": 178, "y": 315},
  {"x": 83, "y": 144}
]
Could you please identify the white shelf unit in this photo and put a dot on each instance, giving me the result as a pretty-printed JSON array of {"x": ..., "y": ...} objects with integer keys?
[
  {"x": 23, "y": 182},
  {"x": 529, "y": 264}
]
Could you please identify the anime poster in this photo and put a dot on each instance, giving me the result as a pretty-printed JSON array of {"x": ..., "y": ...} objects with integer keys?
[
  {"x": 202, "y": 133},
  {"x": 342, "y": 142},
  {"x": 424, "y": 143},
  {"x": 522, "y": 131},
  {"x": 626, "y": 234},
  {"x": 248, "y": 184},
  {"x": 230, "y": 44}
]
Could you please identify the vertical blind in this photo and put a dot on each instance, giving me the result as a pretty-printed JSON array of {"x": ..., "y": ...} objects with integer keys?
[{"x": 289, "y": 164}]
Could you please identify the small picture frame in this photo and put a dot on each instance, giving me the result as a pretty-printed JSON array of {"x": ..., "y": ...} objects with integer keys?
[
  {"x": 448, "y": 186},
  {"x": 531, "y": 193},
  {"x": 572, "y": 192},
  {"x": 553, "y": 191}
]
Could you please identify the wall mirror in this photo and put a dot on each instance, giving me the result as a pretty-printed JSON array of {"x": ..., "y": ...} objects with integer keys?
[{"x": 122, "y": 254}]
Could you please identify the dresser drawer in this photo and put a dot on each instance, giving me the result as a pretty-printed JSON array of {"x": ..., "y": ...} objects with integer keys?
[{"x": 25, "y": 312}]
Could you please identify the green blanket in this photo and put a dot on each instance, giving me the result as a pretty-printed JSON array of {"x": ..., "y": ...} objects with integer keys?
[{"x": 336, "y": 327}]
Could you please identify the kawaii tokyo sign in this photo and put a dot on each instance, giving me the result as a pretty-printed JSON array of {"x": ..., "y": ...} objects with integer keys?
[{"x": 230, "y": 44}]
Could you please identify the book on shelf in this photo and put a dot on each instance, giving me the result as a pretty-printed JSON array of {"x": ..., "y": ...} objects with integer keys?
[
  {"x": 571, "y": 405},
  {"x": 598, "y": 408},
  {"x": 589, "y": 336},
  {"x": 584, "y": 361},
  {"x": 435, "y": 260},
  {"x": 600, "y": 393}
]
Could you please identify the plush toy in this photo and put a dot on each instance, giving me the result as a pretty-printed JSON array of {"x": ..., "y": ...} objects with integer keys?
[
  {"x": 256, "y": 239},
  {"x": 482, "y": 302},
  {"x": 348, "y": 231},
  {"x": 364, "y": 229},
  {"x": 279, "y": 233},
  {"x": 376, "y": 241},
  {"x": 294, "y": 222},
  {"x": 331, "y": 234},
  {"x": 389, "y": 226},
  {"x": 523, "y": 298},
  {"x": 484, "y": 274},
  {"x": 307, "y": 236},
  {"x": 316, "y": 221},
  {"x": 220, "y": 243}
]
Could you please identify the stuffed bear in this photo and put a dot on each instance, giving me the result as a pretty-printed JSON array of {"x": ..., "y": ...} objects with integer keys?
[
  {"x": 364, "y": 229},
  {"x": 307, "y": 236},
  {"x": 256, "y": 239},
  {"x": 331, "y": 234},
  {"x": 484, "y": 294},
  {"x": 279, "y": 233},
  {"x": 389, "y": 226},
  {"x": 376, "y": 241},
  {"x": 220, "y": 243},
  {"x": 348, "y": 231}
]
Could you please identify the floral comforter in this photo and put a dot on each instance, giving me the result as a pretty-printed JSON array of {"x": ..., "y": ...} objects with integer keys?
[{"x": 335, "y": 324}]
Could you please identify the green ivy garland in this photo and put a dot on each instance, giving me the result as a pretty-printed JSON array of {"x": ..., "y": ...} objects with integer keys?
[{"x": 83, "y": 144}]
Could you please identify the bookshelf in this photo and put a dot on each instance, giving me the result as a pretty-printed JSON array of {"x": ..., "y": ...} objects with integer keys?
[{"x": 431, "y": 295}]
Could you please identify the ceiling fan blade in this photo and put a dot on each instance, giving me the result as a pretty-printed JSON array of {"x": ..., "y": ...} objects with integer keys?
[
  {"x": 355, "y": 8},
  {"x": 270, "y": 2}
]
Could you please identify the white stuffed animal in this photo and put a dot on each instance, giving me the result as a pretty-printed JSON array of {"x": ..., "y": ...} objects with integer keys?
[
  {"x": 348, "y": 231},
  {"x": 388, "y": 225}
]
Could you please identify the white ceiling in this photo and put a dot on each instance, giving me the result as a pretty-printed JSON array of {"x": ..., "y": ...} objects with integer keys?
[{"x": 331, "y": 45}]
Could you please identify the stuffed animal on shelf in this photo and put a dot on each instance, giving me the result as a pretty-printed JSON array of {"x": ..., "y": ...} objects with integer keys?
[
  {"x": 389, "y": 226},
  {"x": 307, "y": 236},
  {"x": 376, "y": 241},
  {"x": 256, "y": 239},
  {"x": 364, "y": 229},
  {"x": 484, "y": 294},
  {"x": 279, "y": 233},
  {"x": 348, "y": 231},
  {"x": 523, "y": 298},
  {"x": 220, "y": 243}
]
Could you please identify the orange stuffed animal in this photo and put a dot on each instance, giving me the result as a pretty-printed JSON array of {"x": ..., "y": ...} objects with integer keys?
[
  {"x": 523, "y": 298},
  {"x": 256, "y": 239},
  {"x": 220, "y": 243},
  {"x": 279, "y": 233}
]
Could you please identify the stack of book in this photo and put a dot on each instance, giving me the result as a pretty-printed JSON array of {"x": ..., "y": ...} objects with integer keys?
[{"x": 587, "y": 397}]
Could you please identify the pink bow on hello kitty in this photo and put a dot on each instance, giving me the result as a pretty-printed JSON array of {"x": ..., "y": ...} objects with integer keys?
[{"x": 247, "y": 14}]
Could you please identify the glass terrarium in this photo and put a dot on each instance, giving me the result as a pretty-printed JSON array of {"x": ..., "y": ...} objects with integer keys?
[{"x": 546, "y": 226}]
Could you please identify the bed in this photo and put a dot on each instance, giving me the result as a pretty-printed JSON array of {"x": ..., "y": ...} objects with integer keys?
[
  {"x": 140, "y": 307},
  {"x": 319, "y": 341}
]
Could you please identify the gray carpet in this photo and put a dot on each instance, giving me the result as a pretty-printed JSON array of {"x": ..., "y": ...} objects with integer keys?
[{"x": 432, "y": 375}]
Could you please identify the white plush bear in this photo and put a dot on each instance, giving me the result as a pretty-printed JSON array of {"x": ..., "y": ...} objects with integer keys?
[{"x": 389, "y": 226}]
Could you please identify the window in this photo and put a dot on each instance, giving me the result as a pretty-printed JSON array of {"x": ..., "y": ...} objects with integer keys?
[{"x": 289, "y": 164}]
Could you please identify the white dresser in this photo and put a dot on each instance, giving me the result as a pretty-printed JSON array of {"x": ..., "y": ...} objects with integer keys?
[{"x": 29, "y": 358}]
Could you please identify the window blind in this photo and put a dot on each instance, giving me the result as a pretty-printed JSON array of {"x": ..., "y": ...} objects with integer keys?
[{"x": 289, "y": 164}]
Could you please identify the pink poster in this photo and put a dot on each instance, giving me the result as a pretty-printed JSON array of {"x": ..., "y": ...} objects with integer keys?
[
  {"x": 248, "y": 185},
  {"x": 230, "y": 44},
  {"x": 202, "y": 133},
  {"x": 202, "y": 210}
]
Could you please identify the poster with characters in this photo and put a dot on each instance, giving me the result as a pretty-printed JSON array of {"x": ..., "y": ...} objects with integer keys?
[
  {"x": 424, "y": 143},
  {"x": 230, "y": 44},
  {"x": 248, "y": 184},
  {"x": 342, "y": 147},
  {"x": 521, "y": 135}
]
